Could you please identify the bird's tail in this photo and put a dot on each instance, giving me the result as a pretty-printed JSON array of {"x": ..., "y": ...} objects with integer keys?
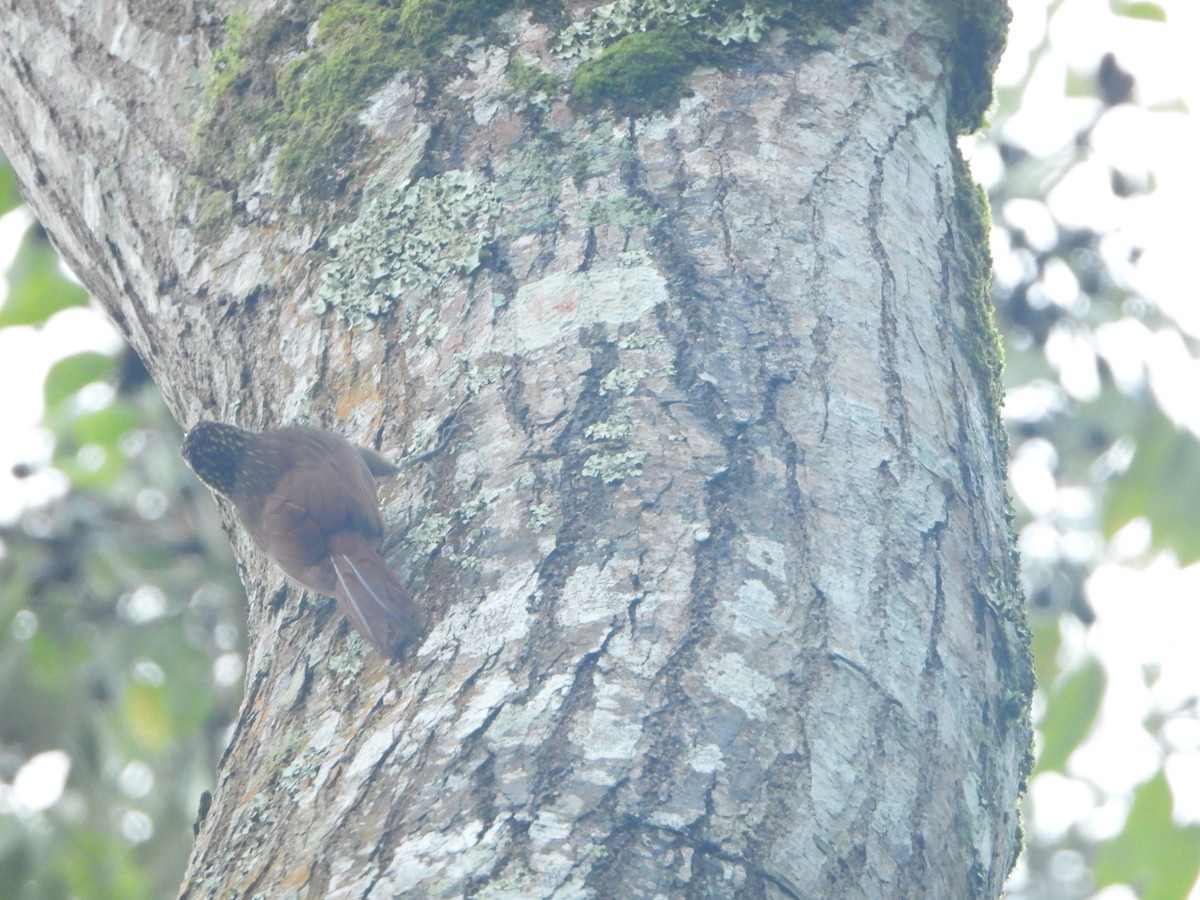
[{"x": 371, "y": 597}]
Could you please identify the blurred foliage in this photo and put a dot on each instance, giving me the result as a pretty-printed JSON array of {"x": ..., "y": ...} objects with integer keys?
[
  {"x": 120, "y": 625},
  {"x": 1113, "y": 456}
]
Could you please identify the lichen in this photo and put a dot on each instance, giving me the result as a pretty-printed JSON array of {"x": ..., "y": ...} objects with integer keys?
[
  {"x": 539, "y": 517},
  {"x": 609, "y": 23},
  {"x": 407, "y": 241},
  {"x": 606, "y": 431},
  {"x": 625, "y": 212},
  {"x": 622, "y": 381},
  {"x": 429, "y": 535},
  {"x": 530, "y": 186},
  {"x": 612, "y": 468}
]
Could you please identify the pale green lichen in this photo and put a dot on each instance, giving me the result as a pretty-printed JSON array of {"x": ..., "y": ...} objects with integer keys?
[
  {"x": 641, "y": 341},
  {"x": 622, "y": 381},
  {"x": 530, "y": 187},
  {"x": 606, "y": 431},
  {"x": 428, "y": 536},
  {"x": 623, "y": 211},
  {"x": 608, "y": 23},
  {"x": 477, "y": 504},
  {"x": 407, "y": 240},
  {"x": 479, "y": 377},
  {"x": 349, "y": 664},
  {"x": 612, "y": 468},
  {"x": 539, "y": 517}
]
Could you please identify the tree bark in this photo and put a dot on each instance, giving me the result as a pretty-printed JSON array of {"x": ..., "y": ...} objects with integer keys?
[{"x": 711, "y": 520}]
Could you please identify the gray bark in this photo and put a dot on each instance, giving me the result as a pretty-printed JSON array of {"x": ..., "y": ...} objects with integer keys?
[{"x": 713, "y": 531}]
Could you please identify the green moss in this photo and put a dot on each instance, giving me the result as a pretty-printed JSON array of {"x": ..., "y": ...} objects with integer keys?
[
  {"x": 981, "y": 31},
  {"x": 226, "y": 68},
  {"x": 529, "y": 80},
  {"x": 637, "y": 54},
  {"x": 305, "y": 99},
  {"x": 985, "y": 349},
  {"x": 214, "y": 208},
  {"x": 641, "y": 72}
]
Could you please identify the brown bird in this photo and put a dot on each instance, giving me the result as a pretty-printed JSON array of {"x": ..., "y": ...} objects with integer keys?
[{"x": 307, "y": 498}]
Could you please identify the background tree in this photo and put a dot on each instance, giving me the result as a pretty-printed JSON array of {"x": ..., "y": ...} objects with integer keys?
[
  {"x": 1100, "y": 343},
  {"x": 712, "y": 526},
  {"x": 122, "y": 658}
]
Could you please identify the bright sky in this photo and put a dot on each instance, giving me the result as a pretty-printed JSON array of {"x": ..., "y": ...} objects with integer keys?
[{"x": 1159, "y": 629}]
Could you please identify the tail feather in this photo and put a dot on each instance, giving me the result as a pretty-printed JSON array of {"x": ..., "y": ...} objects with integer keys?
[{"x": 372, "y": 598}]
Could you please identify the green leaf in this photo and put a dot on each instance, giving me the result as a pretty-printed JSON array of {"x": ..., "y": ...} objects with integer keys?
[
  {"x": 68, "y": 375},
  {"x": 1070, "y": 713},
  {"x": 1047, "y": 639},
  {"x": 1152, "y": 854},
  {"x": 1162, "y": 483},
  {"x": 148, "y": 716},
  {"x": 1151, "y": 12},
  {"x": 10, "y": 197},
  {"x": 37, "y": 289},
  {"x": 106, "y": 426}
]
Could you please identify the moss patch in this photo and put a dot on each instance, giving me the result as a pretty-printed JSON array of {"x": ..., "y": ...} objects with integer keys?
[
  {"x": 300, "y": 90},
  {"x": 637, "y": 54},
  {"x": 530, "y": 81},
  {"x": 980, "y": 34},
  {"x": 985, "y": 349},
  {"x": 641, "y": 72}
]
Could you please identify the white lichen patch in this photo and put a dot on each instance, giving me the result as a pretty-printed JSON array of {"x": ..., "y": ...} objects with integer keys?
[
  {"x": 768, "y": 555},
  {"x": 549, "y": 827},
  {"x": 612, "y": 730},
  {"x": 368, "y": 755},
  {"x": 731, "y": 679},
  {"x": 545, "y": 311},
  {"x": 511, "y": 727},
  {"x": 539, "y": 517},
  {"x": 307, "y": 765},
  {"x": 485, "y": 626},
  {"x": 407, "y": 239},
  {"x": 590, "y": 595},
  {"x": 493, "y": 691},
  {"x": 755, "y": 611},
  {"x": 706, "y": 758},
  {"x": 419, "y": 856}
]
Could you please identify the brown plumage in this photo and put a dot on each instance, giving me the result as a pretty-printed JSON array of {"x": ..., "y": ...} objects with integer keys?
[{"x": 307, "y": 498}]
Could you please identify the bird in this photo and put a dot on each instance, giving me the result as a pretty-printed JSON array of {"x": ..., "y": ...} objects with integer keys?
[{"x": 307, "y": 498}]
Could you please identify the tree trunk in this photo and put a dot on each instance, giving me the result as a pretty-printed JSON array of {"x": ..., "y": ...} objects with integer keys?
[{"x": 711, "y": 523}]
